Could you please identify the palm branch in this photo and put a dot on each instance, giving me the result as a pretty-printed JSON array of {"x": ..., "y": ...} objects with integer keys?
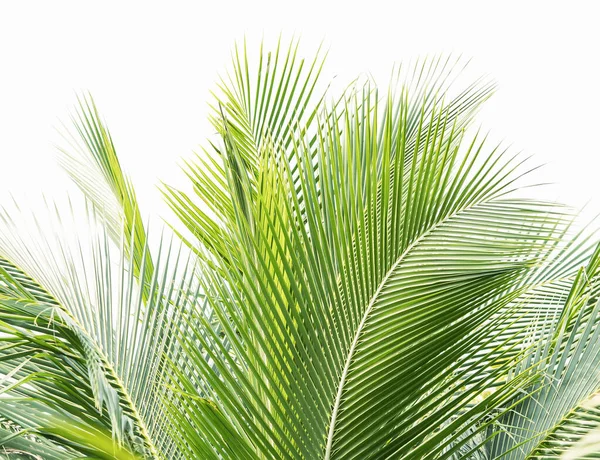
[{"x": 359, "y": 276}]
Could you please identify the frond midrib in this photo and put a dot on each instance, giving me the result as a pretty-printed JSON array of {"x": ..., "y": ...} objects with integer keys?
[
  {"x": 370, "y": 306},
  {"x": 117, "y": 382}
]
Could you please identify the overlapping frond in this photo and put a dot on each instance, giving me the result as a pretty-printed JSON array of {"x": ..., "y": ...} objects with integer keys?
[
  {"x": 370, "y": 255},
  {"x": 365, "y": 280},
  {"x": 280, "y": 99},
  {"x": 90, "y": 159},
  {"x": 546, "y": 424},
  {"x": 81, "y": 336}
]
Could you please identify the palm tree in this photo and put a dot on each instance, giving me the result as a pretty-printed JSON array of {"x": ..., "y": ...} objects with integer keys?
[{"x": 350, "y": 277}]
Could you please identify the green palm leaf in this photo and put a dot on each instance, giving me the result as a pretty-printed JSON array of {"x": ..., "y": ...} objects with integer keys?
[
  {"x": 89, "y": 343},
  {"x": 344, "y": 250},
  {"x": 569, "y": 359},
  {"x": 361, "y": 277},
  {"x": 92, "y": 163}
]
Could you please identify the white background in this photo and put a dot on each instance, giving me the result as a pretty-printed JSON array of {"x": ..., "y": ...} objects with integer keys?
[{"x": 150, "y": 67}]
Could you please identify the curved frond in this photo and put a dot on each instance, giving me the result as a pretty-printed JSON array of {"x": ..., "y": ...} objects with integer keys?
[
  {"x": 369, "y": 262},
  {"x": 87, "y": 339},
  {"x": 92, "y": 162},
  {"x": 365, "y": 279},
  {"x": 569, "y": 360}
]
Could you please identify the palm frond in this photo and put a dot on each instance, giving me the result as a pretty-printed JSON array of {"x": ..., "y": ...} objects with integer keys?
[
  {"x": 91, "y": 161},
  {"x": 569, "y": 358},
  {"x": 365, "y": 279},
  {"x": 345, "y": 251},
  {"x": 87, "y": 339}
]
